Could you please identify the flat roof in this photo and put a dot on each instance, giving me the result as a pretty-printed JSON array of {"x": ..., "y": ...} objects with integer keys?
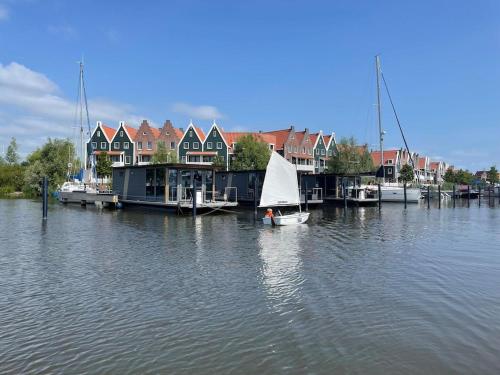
[{"x": 170, "y": 165}]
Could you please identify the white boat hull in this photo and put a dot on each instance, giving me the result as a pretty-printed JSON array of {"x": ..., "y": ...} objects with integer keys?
[
  {"x": 396, "y": 194},
  {"x": 293, "y": 219}
]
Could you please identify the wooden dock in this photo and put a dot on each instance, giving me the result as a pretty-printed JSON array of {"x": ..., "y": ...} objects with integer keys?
[{"x": 84, "y": 198}]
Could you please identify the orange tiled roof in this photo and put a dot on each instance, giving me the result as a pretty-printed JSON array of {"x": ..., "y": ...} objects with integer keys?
[
  {"x": 233, "y": 137},
  {"x": 434, "y": 165},
  {"x": 178, "y": 132},
  {"x": 388, "y": 154},
  {"x": 131, "y": 131},
  {"x": 421, "y": 163},
  {"x": 108, "y": 132},
  {"x": 281, "y": 136},
  {"x": 200, "y": 133},
  {"x": 155, "y": 131}
]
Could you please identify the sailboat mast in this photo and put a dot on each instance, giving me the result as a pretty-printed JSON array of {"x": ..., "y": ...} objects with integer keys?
[
  {"x": 379, "y": 112},
  {"x": 82, "y": 146}
]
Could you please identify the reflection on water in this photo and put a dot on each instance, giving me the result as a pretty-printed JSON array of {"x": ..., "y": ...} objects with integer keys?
[{"x": 144, "y": 292}]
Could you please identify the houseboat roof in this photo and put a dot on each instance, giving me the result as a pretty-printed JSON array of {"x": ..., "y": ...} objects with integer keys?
[{"x": 171, "y": 165}]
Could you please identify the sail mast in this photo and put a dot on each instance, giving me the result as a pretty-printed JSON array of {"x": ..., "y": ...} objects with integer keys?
[{"x": 379, "y": 111}]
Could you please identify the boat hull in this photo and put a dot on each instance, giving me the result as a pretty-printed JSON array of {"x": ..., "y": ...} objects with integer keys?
[
  {"x": 293, "y": 219},
  {"x": 396, "y": 194}
]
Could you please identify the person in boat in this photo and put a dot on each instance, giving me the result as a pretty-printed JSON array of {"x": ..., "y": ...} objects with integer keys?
[{"x": 269, "y": 213}]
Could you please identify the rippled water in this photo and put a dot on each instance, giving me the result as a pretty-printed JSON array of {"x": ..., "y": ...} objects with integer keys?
[{"x": 137, "y": 292}]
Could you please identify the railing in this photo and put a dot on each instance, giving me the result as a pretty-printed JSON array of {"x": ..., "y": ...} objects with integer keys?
[{"x": 313, "y": 194}]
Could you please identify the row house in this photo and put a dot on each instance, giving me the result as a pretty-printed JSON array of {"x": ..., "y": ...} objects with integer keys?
[
  {"x": 100, "y": 139},
  {"x": 320, "y": 152},
  {"x": 148, "y": 138},
  {"x": 437, "y": 171},
  {"x": 191, "y": 147},
  {"x": 391, "y": 162}
]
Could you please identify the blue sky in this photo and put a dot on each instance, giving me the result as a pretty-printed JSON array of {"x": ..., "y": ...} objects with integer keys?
[{"x": 259, "y": 65}]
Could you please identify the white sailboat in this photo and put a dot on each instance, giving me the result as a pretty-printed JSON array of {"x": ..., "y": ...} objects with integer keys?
[
  {"x": 280, "y": 188},
  {"x": 391, "y": 193}
]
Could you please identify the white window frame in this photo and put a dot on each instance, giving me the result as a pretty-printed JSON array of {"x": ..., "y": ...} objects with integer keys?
[
  {"x": 150, "y": 145},
  {"x": 209, "y": 145},
  {"x": 94, "y": 145},
  {"x": 127, "y": 159},
  {"x": 121, "y": 133},
  {"x": 317, "y": 151},
  {"x": 186, "y": 145},
  {"x": 98, "y": 133},
  {"x": 183, "y": 159},
  {"x": 126, "y": 145},
  {"x": 139, "y": 145},
  {"x": 190, "y": 134},
  {"x": 219, "y": 145},
  {"x": 104, "y": 145},
  {"x": 322, "y": 151},
  {"x": 214, "y": 133},
  {"x": 115, "y": 145},
  {"x": 196, "y": 145},
  {"x": 172, "y": 143}
]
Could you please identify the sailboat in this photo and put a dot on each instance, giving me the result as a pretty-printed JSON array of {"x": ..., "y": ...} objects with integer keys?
[
  {"x": 391, "y": 193},
  {"x": 280, "y": 188}
]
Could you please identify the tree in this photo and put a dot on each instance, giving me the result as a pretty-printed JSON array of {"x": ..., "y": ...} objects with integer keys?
[
  {"x": 406, "y": 174},
  {"x": 162, "y": 155},
  {"x": 50, "y": 160},
  {"x": 350, "y": 158},
  {"x": 103, "y": 165},
  {"x": 250, "y": 154},
  {"x": 218, "y": 161},
  {"x": 492, "y": 175},
  {"x": 449, "y": 176},
  {"x": 463, "y": 177},
  {"x": 12, "y": 157}
]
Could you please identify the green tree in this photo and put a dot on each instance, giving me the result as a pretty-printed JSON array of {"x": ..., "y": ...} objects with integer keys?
[
  {"x": 406, "y": 174},
  {"x": 104, "y": 165},
  {"x": 162, "y": 155},
  {"x": 219, "y": 162},
  {"x": 464, "y": 177},
  {"x": 492, "y": 175},
  {"x": 450, "y": 176},
  {"x": 350, "y": 158},
  {"x": 11, "y": 156},
  {"x": 50, "y": 160},
  {"x": 250, "y": 154}
]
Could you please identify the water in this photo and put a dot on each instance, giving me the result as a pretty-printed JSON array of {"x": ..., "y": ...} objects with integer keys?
[{"x": 136, "y": 292}]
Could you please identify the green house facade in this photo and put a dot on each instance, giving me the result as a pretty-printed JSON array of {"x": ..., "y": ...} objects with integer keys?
[
  {"x": 216, "y": 145},
  {"x": 191, "y": 146},
  {"x": 122, "y": 146},
  {"x": 320, "y": 153}
]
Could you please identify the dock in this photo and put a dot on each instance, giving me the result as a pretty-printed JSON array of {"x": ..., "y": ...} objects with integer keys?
[{"x": 84, "y": 198}]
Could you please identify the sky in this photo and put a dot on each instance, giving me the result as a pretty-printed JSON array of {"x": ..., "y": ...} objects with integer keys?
[{"x": 258, "y": 65}]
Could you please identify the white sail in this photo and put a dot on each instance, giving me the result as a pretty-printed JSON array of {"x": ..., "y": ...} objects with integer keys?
[{"x": 280, "y": 184}]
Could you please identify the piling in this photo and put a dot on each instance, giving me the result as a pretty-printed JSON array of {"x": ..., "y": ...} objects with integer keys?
[
  {"x": 45, "y": 197},
  {"x": 404, "y": 191},
  {"x": 255, "y": 196},
  {"x": 428, "y": 196},
  {"x": 479, "y": 197},
  {"x": 194, "y": 200},
  {"x": 489, "y": 195},
  {"x": 439, "y": 196},
  {"x": 454, "y": 197},
  {"x": 344, "y": 193},
  {"x": 499, "y": 194},
  {"x": 305, "y": 198},
  {"x": 468, "y": 195},
  {"x": 379, "y": 197}
]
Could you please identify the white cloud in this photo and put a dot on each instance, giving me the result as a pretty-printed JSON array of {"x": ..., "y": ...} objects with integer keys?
[
  {"x": 4, "y": 13},
  {"x": 202, "y": 112},
  {"x": 32, "y": 108}
]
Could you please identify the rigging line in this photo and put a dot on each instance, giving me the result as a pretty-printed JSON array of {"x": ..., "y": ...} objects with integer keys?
[{"x": 397, "y": 119}]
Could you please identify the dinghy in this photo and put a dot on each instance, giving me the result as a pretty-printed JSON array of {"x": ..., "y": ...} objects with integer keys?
[{"x": 280, "y": 189}]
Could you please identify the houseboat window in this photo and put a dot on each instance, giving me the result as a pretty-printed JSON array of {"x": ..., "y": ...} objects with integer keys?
[
  {"x": 196, "y": 145},
  {"x": 150, "y": 179},
  {"x": 127, "y": 159},
  {"x": 160, "y": 182},
  {"x": 94, "y": 145},
  {"x": 172, "y": 145},
  {"x": 98, "y": 133},
  {"x": 116, "y": 145},
  {"x": 104, "y": 145},
  {"x": 186, "y": 145},
  {"x": 121, "y": 133},
  {"x": 172, "y": 185},
  {"x": 219, "y": 145},
  {"x": 125, "y": 145},
  {"x": 150, "y": 145},
  {"x": 139, "y": 145},
  {"x": 209, "y": 145}
]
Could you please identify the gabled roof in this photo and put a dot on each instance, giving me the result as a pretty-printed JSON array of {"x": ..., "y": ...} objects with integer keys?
[
  {"x": 233, "y": 137},
  {"x": 315, "y": 138},
  {"x": 388, "y": 154},
  {"x": 434, "y": 164},
  {"x": 155, "y": 131},
  {"x": 198, "y": 131},
  {"x": 421, "y": 162},
  {"x": 132, "y": 132},
  {"x": 281, "y": 137},
  {"x": 109, "y": 133},
  {"x": 178, "y": 132}
]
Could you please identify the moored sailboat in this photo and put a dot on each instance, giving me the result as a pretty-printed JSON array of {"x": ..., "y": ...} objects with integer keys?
[{"x": 280, "y": 189}]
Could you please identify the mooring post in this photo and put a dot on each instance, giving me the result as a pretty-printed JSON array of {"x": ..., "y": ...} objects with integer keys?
[
  {"x": 194, "y": 199},
  {"x": 454, "y": 196},
  {"x": 305, "y": 198},
  {"x": 255, "y": 182},
  {"x": 499, "y": 195},
  {"x": 404, "y": 191},
  {"x": 344, "y": 193},
  {"x": 439, "y": 196},
  {"x": 479, "y": 196},
  {"x": 468, "y": 195},
  {"x": 379, "y": 197},
  {"x": 428, "y": 196},
  {"x": 45, "y": 197}
]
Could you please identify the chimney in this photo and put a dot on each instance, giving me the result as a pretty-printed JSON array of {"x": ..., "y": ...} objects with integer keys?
[
  {"x": 306, "y": 130},
  {"x": 167, "y": 122},
  {"x": 144, "y": 122},
  {"x": 292, "y": 128}
]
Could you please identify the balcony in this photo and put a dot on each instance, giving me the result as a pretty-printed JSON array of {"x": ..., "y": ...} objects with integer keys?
[
  {"x": 305, "y": 168},
  {"x": 118, "y": 164}
]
